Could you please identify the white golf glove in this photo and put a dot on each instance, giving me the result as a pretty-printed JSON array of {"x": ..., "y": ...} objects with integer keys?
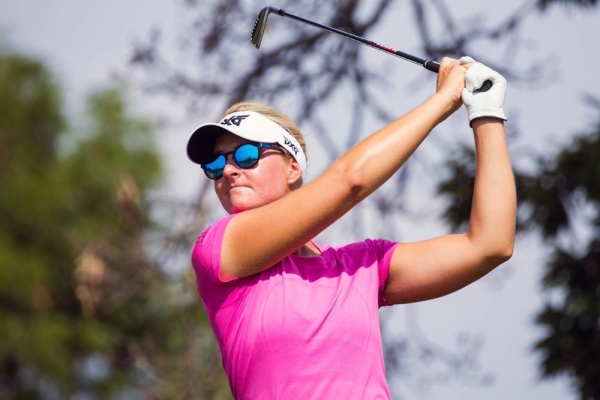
[{"x": 483, "y": 104}]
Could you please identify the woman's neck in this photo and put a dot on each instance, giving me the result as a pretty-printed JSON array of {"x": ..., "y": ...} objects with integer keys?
[{"x": 308, "y": 250}]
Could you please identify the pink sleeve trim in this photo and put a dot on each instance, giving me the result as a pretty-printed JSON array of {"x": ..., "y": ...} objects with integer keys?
[{"x": 384, "y": 273}]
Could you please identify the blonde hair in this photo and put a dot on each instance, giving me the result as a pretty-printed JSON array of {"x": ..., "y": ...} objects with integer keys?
[{"x": 274, "y": 115}]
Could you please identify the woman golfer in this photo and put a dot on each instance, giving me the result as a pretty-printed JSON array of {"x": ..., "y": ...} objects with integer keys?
[{"x": 299, "y": 320}]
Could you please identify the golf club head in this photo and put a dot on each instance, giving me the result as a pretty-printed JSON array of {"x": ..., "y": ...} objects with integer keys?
[{"x": 260, "y": 25}]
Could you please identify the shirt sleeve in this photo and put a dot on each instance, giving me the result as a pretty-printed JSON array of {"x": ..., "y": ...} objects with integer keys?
[
  {"x": 206, "y": 254},
  {"x": 206, "y": 261},
  {"x": 385, "y": 249}
]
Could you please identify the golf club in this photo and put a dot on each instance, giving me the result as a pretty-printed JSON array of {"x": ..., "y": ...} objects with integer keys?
[{"x": 261, "y": 24}]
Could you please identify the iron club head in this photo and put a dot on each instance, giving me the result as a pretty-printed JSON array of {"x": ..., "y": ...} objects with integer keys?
[{"x": 260, "y": 25}]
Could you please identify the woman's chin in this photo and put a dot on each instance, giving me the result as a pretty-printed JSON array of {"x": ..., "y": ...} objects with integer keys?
[{"x": 237, "y": 207}]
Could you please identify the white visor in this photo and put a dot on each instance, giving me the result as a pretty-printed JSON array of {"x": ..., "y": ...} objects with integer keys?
[{"x": 248, "y": 125}]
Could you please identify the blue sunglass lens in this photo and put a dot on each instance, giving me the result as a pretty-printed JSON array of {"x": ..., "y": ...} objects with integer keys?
[
  {"x": 214, "y": 169},
  {"x": 245, "y": 156}
]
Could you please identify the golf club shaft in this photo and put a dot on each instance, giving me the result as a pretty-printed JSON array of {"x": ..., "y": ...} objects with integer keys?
[
  {"x": 428, "y": 64},
  {"x": 261, "y": 22}
]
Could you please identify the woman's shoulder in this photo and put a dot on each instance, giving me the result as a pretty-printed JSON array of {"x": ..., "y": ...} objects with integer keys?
[
  {"x": 207, "y": 248},
  {"x": 216, "y": 227}
]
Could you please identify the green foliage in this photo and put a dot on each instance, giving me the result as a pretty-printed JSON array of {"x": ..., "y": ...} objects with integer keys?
[
  {"x": 573, "y": 345},
  {"x": 83, "y": 307},
  {"x": 572, "y": 342},
  {"x": 563, "y": 194}
]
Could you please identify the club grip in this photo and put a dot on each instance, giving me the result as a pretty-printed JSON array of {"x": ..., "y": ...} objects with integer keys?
[
  {"x": 434, "y": 66},
  {"x": 487, "y": 85}
]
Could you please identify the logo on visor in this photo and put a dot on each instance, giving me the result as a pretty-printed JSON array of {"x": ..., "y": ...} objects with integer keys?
[
  {"x": 237, "y": 120},
  {"x": 291, "y": 145}
]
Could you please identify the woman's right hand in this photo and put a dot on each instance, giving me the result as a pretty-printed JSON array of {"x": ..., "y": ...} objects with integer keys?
[{"x": 451, "y": 82}]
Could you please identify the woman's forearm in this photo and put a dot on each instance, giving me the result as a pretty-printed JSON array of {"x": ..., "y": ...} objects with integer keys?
[
  {"x": 374, "y": 160},
  {"x": 493, "y": 214}
]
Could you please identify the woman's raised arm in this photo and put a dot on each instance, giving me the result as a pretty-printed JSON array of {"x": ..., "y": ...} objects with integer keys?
[
  {"x": 436, "y": 267},
  {"x": 258, "y": 238}
]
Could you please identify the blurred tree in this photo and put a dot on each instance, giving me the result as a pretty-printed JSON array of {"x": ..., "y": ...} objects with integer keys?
[
  {"x": 84, "y": 308},
  {"x": 563, "y": 199},
  {"x": 560, "y": 200}
]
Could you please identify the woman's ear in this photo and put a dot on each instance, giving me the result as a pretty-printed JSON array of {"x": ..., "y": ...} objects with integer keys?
[{"x": 294, "y": 173}]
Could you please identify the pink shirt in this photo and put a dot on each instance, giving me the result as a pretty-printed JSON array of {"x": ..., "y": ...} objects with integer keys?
[{"x": 307, "y": 328}]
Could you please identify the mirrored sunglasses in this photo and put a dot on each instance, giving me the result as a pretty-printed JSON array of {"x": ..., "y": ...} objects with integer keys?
[{"x": 245, "y": 156}]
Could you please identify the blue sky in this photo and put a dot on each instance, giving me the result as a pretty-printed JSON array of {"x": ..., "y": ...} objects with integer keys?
[{"x": 84, "y": 42}]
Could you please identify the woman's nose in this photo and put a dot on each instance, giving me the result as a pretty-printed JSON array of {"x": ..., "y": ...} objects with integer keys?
[{"x": 230, "y": 168}]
